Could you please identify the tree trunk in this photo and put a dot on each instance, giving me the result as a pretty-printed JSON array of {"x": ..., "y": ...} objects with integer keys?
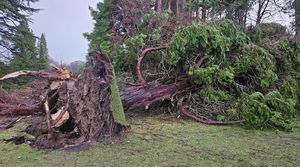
[
  {"x": 297, "y": 16},
  {"x": 203, "y": 14},
  {"x": 173, "y": 7},
  {"x": 158, "y": 6},
  {"x": 182, "y": 7},
  {"x": 144, "y": 96}
]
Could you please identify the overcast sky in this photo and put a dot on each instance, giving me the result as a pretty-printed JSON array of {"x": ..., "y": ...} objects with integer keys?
[{"x": 64, "y": 22}]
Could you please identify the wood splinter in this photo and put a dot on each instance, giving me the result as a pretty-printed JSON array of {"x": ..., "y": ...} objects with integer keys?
[{"x": 48, "y": 118}]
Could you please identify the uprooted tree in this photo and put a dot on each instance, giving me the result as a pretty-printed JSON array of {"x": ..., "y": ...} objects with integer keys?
[
  {"x": 225, "y": 77},
  {"x": 215, "y": 73},
  {"x": 76, "y": 112}
]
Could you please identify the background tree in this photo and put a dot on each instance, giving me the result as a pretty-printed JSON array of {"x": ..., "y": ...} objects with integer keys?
[
  {"x": 158, "y": 6},
  {"x": 99, "y": 37},
  {"x": 238, "y": 11},
  {"x": 297, "y": 16},
  {"x": 12, "y": 14},
  {"x": 24, "y": 51},
  {"x": 43, "y": 52}
]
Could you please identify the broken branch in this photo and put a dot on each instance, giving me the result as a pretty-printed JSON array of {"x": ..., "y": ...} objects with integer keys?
[
  {"x": 139, "y": 63},
  {"x": 201, "y": 120}
]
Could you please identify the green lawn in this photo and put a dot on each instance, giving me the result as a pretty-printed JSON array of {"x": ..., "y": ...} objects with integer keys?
[{"x": 154, "y": 141}]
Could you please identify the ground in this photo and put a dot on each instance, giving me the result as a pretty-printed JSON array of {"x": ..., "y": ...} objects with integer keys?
[{"x": 165, "y": 141}]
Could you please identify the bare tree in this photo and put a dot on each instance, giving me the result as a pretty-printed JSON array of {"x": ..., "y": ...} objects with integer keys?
[{"x": 262, "y": 9}]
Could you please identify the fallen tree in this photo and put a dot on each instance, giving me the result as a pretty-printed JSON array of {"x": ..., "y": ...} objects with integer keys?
[
  {"x": 89, "y": 108},
  {"x": 75, "y": 111},
  {"x": 214, "y": 61}
]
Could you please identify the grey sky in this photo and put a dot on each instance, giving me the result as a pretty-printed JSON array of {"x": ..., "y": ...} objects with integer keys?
[{"x": 64, "y": 22}]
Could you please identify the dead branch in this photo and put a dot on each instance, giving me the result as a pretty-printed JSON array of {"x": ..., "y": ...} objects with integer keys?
[
  {"x": 139, "y": 63},
  {"x": 59, "y": 74},
  {"x": 48, "y": 118},
  {"x": 200, "y": 62},
  {"x": 6, "y": 109},
  {"x": 200, "y": 119}
]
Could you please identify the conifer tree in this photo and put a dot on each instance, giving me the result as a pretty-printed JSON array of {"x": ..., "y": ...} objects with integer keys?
[
  {"x": 24, "y": 51},
  {"x": 99, "y": 37},
  {"x": 12, "y": 14},
  {"x": 43, "y": 52}
]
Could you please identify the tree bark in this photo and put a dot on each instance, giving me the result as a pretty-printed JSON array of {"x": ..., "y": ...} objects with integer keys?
[
  {"x": 173, "y": 6},
  {"x": 297, "y": 17},
  {"x": 158, "y": 6},
  {"x": 144, "y": 96},
  {"x": 203, "y": 13},
  {"x": 262, "y": 9}
]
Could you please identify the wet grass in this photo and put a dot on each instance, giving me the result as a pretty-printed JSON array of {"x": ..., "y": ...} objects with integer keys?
[{"x": 154, "y": 141}]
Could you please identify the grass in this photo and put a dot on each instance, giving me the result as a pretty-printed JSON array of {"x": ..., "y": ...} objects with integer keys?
[{"x": 154, "y": 141}]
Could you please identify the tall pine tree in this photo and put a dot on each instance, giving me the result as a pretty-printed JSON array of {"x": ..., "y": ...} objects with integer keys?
[
  {"x": 43, "y": 52},
  {"x": 99, "y": 37},
  {"x": 24, "y": 51},
  {"x": 12, "y": 14}
]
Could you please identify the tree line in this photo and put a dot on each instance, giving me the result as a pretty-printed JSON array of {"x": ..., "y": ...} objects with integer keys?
[
  {"x": 19, "y": 48},
  {"x": 236, "y": 10}
]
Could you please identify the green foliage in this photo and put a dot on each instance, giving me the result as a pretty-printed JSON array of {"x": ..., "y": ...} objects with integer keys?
[
  {"x": 99, "y": 37},
  {"x": 24, "y": 53},
  {"x": 290, "y": 51},
  {"x": 214, "y": 40},
  {"x": 43, "y": 53},
  {"x": 267, "y": 78},
  {"x": 225, "y": 77},
  {"x": 204, "y": 75},
  {"x": 191, "y": 40},
  {"x": 125, "y": 55},
  {"x": 207, "y": 75},
  {"x": 215, "y": 95},
  {"x": 254, "y": 58},
  {"x": 290, "y": 90},
  {"x": 159, "y": 19},
  {"x": 13, "y": 13},
  {"x": 277, "y": 103},
  {"x": 259, "y": 61},
  {"x": 255, "y": 35},
  {"x": 24, "y": 50},
  {"x": 269, "y": 111},
  {"x": 271, "y": 31}
]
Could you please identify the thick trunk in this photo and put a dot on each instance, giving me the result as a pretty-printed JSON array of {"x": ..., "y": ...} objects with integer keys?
[{"x": 144, "y": 96}]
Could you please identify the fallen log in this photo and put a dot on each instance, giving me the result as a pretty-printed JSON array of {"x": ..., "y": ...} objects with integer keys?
[
  {"x": 59, "y": 74},
  {"x": 146, "y": 95}
]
